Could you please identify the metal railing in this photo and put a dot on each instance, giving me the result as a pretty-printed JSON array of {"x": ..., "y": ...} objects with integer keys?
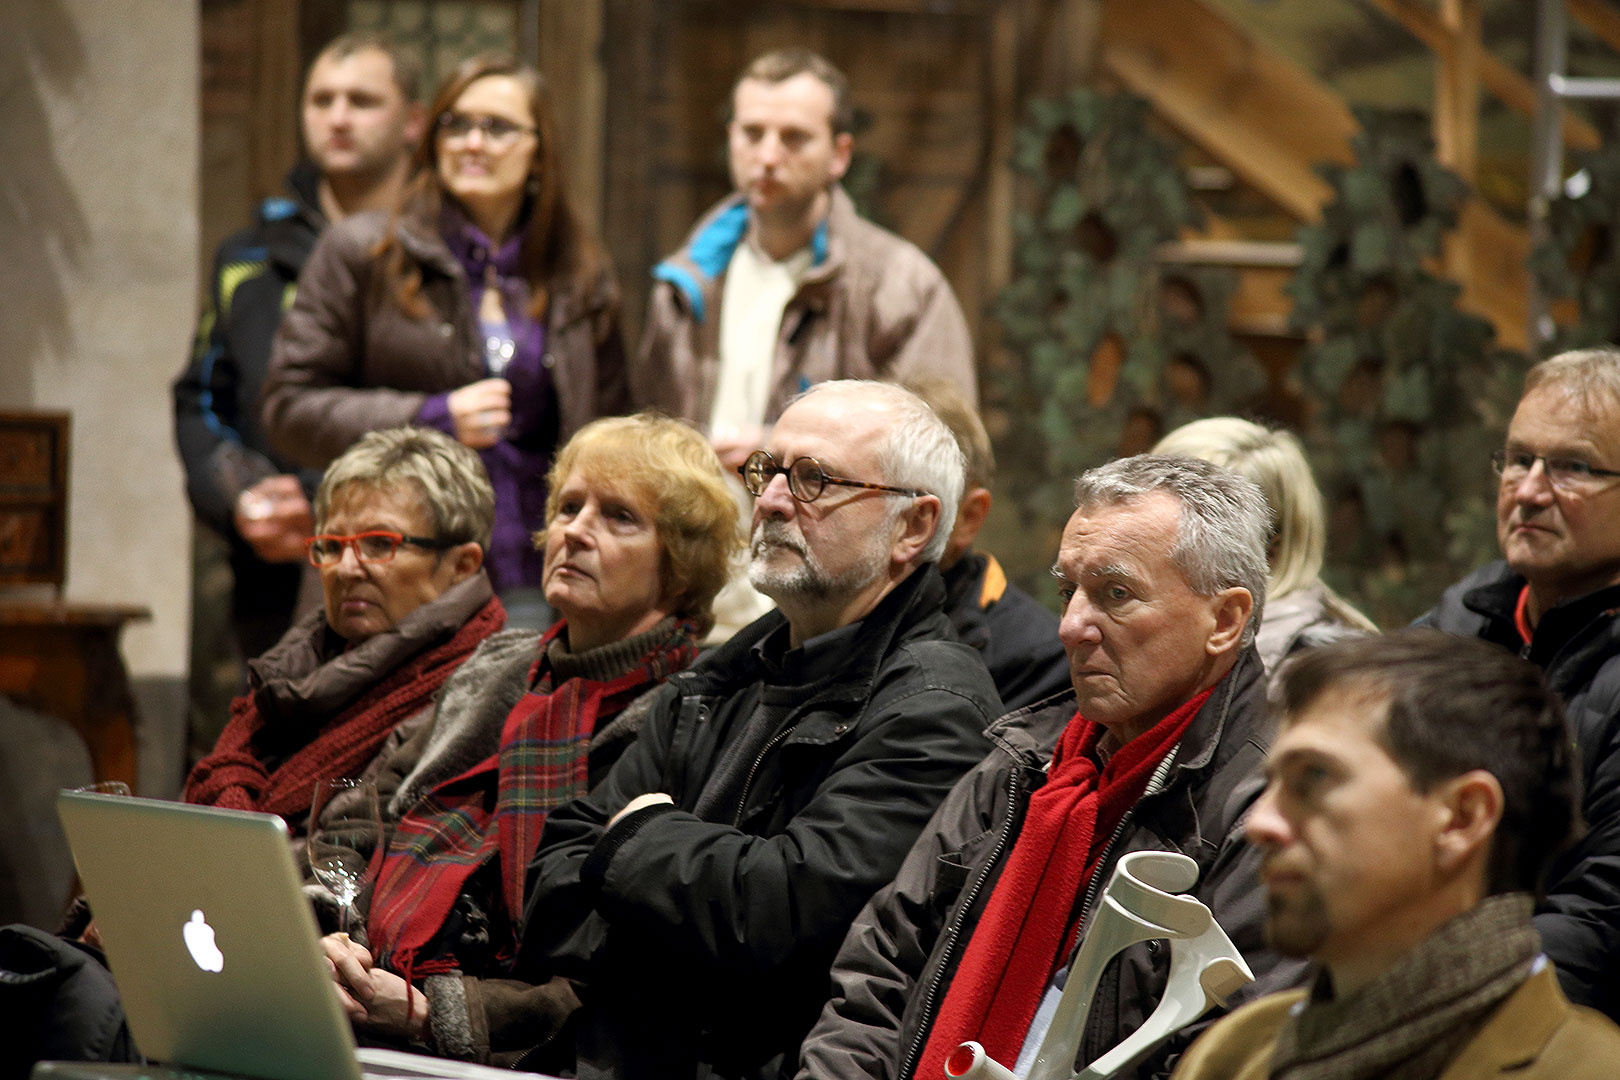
[{"x": 1553, "y": 88}]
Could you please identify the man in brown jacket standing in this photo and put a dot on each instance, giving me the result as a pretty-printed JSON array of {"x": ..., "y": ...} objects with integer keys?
[
  {"x": 1419, "y": 789},
  {"x": 782, "y": 285}
]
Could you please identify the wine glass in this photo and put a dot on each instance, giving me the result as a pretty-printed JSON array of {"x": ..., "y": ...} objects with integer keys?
[
  {"x": 106, "y": 787},
  {"x": 345, "y": 839}
]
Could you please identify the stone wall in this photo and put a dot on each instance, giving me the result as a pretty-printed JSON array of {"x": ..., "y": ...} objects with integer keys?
[{"x": 98, "y": 288}]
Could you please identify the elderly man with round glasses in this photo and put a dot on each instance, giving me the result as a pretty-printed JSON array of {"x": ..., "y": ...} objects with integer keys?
[
  {"x": 402, "y": 521},
  {"x": 778, "y": 782},
  {"x": 1554, "y": 598}
]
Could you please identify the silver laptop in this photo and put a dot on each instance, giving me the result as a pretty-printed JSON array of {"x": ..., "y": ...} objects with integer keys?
[{"x": 214, "y": 949}]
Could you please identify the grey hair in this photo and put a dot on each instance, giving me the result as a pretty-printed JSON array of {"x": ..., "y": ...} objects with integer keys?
[
  {"x": 916, "y": 450},
  {"x": 1221, "y": 531},
  {"x": 1589, "y": 375},
  {"x": 449, "y": 478}
]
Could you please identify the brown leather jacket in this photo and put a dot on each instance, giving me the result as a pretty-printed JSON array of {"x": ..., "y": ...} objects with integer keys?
[
  {"x": 872, "y": 306},
  {"x": 348, "y": 359}
]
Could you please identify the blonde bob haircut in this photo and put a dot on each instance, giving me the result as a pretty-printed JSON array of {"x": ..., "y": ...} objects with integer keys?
[
  {"x": 668, "y": 465},
  {"x": 1275, "y": 461},
  {"x": 447, "y": 476}
]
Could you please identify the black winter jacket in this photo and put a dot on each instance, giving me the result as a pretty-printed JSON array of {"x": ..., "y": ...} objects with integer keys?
[
  {"x": 1014, "y": 632},
  {"x": 893, "y": 971},
  {"x": 59, "y": 1003},
  {"x": 216, "y": 415},
  {"x": 705, "y": 942},
  {"x": 1577, "y": 645}
]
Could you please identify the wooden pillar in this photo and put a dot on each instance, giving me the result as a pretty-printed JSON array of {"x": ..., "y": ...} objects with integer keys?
[
  {"x": 1003, "y": 118},
  {"x": 1456, "y": 110},
  {"x": 276, "y": 142},
  {"x": 570, "y": 51},
  {"x": 1456, "y": 97}
]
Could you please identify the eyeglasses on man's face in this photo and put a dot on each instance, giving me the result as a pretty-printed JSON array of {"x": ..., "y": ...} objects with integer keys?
[
  {"x": 1564, "y": 473},
  {"x": 497, "y": 130},
  {"x": 806, "y": 479},
  {"x": 376, "y": 546}
]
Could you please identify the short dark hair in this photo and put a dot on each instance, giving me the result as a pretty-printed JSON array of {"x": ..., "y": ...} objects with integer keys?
[
  {"x": 1455, "y": 704},
  {"x": 780, "y": 65},
  {"x": 407, "y": 72}
]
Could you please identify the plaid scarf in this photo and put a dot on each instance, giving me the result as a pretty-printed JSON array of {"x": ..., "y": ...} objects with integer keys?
[
  {"x": 1411, "y": 1021},
  {"x": 1032, "y": 918},
  {"x": 542, "y": 763},
  {"x": 235, "y": 775}
]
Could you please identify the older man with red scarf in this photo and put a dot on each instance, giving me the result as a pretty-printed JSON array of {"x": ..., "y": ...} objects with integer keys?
[{"x": 1163, "y": 572}]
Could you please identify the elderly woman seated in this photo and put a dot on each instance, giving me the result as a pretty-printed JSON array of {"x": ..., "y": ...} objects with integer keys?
[
  {"x": 640, "y": 530},
  {"x": 1300, "y": 609},
  {"x": 402, "y": 521}
]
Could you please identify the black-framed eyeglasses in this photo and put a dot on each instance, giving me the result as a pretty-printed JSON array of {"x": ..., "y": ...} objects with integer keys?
[
  {"x": 1564, "y": 473},
  {"x": 806, "y": 479},
  {"x": 376, "y": 546},
  {"x": 495, "y": 129}
]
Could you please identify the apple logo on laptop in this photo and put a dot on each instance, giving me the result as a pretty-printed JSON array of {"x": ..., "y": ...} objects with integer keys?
[{"x": 199, "y": 938}]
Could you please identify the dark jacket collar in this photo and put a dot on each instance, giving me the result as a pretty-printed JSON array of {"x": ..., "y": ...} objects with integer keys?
[
  {"x": 1031, "y": 733},
  {"x": 1496, "y": 597},
  {"x": 864, "y": 645}
]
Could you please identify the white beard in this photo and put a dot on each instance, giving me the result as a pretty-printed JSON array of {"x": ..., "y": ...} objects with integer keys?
[{"x": 804, "y": 578}]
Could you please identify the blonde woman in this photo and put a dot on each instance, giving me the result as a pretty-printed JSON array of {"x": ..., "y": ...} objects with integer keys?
[
  {"x": 640, "y": 529},
  {"x": 1300, "y": 609}
]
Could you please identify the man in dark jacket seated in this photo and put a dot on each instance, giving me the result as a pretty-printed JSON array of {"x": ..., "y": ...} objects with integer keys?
[
  {"x": 1555, "y": 600},
  {"x": 1163, "y": 571},
  {"x": 1016, "y": 635},
  {"x": 699, "y": 892}
]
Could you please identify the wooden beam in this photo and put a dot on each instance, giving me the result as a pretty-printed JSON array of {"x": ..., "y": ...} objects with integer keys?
[
  {"x": 1272, "y": 123},
  {"x": 570, "y": 51},
  {"x": 1600, "y": 18},
  {"x": 1002, "y": 121},
  {"x": 1260, "y": 115},
  {"x": 1456, "y": 97},
  {"x": 1456, "y": 109},
  {"x": 1512, "y": 89},
  {"x": 277, "y": 87}
]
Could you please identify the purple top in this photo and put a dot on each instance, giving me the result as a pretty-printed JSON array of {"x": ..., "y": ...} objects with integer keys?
[{"x": 517, "y": 465}]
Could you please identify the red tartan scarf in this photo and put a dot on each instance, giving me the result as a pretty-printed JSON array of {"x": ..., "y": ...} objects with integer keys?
[
  {"x": 457, "y": 827},
  {"x": 233, "y": 776},
  {"x": 1030, "y": 923}
]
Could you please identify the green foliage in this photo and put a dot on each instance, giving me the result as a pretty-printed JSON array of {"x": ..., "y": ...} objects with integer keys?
[
  {"x": 1580, "y": 262},
  {"x": 1086, "y": 282},
  {"x": 1410, "y": 393}
]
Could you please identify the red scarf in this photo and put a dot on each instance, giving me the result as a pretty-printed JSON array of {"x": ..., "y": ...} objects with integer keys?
[
  {"x": 233, "y": 776},
  {"x": 497, "y": 808},
  {"x": 1030, "y": 923}
]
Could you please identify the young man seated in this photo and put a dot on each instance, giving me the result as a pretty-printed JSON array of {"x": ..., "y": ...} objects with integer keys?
[{"x": 1419, "y": 789}]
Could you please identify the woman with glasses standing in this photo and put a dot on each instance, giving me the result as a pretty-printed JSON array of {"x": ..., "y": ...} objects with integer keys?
[
  {"x": 481, "y": 307},
  {"x": 402, "y": 522}
]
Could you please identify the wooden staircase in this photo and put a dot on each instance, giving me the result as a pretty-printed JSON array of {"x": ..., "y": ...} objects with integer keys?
[{"x": 1271, "y": 123}]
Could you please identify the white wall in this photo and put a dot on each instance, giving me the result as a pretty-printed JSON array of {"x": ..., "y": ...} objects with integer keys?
[{"x": 98, "y": 242}]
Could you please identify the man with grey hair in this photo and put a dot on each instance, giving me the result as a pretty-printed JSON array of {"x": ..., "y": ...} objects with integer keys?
[
  {"x": 779, "y": 782},
  {"x": 1554, "y": 598},
  {"x": 1163, "y": 571}
]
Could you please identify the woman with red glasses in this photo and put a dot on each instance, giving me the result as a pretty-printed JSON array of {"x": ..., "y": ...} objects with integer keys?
[
  {"x": 640, "y": 531},
  {"x": 481, "y": 307},
  {"x": 402, "y": 522}
]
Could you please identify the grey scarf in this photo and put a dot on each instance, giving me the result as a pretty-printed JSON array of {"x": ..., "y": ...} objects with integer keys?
[{"x": 1409, "y": 1022}]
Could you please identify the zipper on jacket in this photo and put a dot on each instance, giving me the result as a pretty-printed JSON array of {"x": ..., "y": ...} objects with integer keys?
[
  {"x": 953, "y": 932},
  {"x": 1154, "y": 786},
  {"x": 753, "y": 770}
]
